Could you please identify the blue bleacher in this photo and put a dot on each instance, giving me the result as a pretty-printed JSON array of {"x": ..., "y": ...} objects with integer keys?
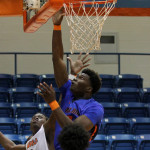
[
  {"x": 24, "y": 126},
  {"x": 145, "y": 95},
  {"x": 112, "y": 109},
  {"x": 127, "y": 95},
  {"x": 22, "y": 94},
  {"x": 140, "y": 125},
  {"x": 4, "y": 95},
  {"x": 8, "y": 125},
  {"x": 26, "y": 80},
  {"x": 115, "y": 125},
  {"x": 134, "y": 109},
  {"x": 105, "y": 95},
  {"x": 22, "y": 110},
  {"x": 6, "y": 80},
  {"x": 129, "y": 102},
  {"x": 122, "y": 142},
  {"x": 99, "y": 143},
  {"x": 6, "y": 110},
  {"x": 48, "y": 78},
  {"x": 108, "y": 81},
  {"x": 143, "y": 142},
  {"x": 129, "y": 80},
  {"x": 148, "y": 106}
]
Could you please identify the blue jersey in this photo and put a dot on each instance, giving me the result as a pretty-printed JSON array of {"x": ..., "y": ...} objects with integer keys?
[{"x": 73, "y": 109}]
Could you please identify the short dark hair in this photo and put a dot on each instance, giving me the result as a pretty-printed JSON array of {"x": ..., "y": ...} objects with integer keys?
[
  {"x": 95, "y": 79},
  {"x": 74, "y": 137}
]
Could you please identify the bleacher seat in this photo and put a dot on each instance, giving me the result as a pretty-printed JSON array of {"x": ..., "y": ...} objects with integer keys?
[
  {"x": 148, "y": 106},
  {"x": 140, "y": 125},
  {"x": 129, "y": 80},
  {"x": 115, "y": 125},
  {"x": 104, "y": 95},
  {"x": 49, "y": 79},
  {"x": 134, "y": 109},
  {"x": 41, "y": 100},
  {"x": 145, "y": 95},
  {"x": 8, "y": 126},
  {"x": 4, "y": 95},
  {"x": 45, "y": 109},
  {"x": 22, "y": 110},
  {"x": 122, "y": 142},
  {"x": 22, "y": 94},
  {"x": 99, "y": 143},
  {"x": 108, "y": 81},
  {"x": 26, "y": 80},
  {"x": 24, "y": 126},
  {"x": 6, "y": 80},
  {"x": 144, "y": 142},
  {"x": 127, "y": 95},
  {"x": 112, "y": 109},
  {"x": 6, "y": 110}
]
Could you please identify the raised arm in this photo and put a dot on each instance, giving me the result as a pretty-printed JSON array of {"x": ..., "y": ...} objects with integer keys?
[
  {"x": 60, "y": 70},
  {"x": 49, "y": 127},
  {"x": 10, "y": 145}
]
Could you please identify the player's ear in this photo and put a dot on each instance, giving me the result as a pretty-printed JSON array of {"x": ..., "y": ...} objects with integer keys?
[{"x": 89, "y": 89}]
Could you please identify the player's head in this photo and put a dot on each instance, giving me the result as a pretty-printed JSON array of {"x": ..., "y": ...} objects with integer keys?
[
  {"x": 73, "y": 137},
  {"x": 87, "y": 82},
  {"x": 37, "y": 121}
]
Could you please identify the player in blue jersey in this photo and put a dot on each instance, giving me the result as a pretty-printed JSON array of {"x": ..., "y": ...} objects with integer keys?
[{"x": 77, "y": 105}]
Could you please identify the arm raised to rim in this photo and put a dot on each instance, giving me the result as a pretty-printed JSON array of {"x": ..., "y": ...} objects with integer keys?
[
  {"x": 49, "y": 127},
  {"x": 60, "y": 70},
  {"x": 10, "y": 145}
]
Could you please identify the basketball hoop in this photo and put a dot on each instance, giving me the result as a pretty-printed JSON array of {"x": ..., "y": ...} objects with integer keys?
[{"x": 86, "y": 19}]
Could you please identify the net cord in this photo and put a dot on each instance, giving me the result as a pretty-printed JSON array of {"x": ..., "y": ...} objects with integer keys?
[{"x": 85, "y": 30}]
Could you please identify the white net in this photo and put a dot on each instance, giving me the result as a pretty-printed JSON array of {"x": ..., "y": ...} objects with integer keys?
[{"x": 86, "y": 28}]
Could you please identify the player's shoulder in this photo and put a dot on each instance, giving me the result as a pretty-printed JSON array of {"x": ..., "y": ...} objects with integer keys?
[{"x": 93, "y": 104}]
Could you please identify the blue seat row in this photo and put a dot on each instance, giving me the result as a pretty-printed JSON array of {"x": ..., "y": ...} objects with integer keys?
[
  {"x": 122, "y": 80},
  {"x": 103, "y": 142},
  {"x": 119, "y": 95},
  {"x": 127, "y": 110},
  {"x": 31, "y": 80},
  {"x": 122, "y": 95},
  {"x": 117, "y": 125},
  {"x": 22, "y": 94},
  {"x": 112, "y": 125},
  {"x": 121, "y": 142},
  {"x": 25, "y": 80},
  {"x": 18, "y": 110}
]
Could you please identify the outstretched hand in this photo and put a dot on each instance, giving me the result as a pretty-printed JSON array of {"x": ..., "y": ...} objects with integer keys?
[
  {"x": 79, "y": 64},
  {"x": 58, "y": 17},
  {"x": 47, "y": 92}
]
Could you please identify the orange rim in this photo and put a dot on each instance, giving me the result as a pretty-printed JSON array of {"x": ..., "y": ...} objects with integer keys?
[{"x": 91, "y": 3}]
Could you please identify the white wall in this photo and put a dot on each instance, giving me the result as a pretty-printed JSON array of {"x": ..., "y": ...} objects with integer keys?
[{"x": 133, "y": 36}]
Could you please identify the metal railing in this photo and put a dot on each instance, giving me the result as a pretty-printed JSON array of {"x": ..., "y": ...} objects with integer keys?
[{"x": 67, "y": 54}]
